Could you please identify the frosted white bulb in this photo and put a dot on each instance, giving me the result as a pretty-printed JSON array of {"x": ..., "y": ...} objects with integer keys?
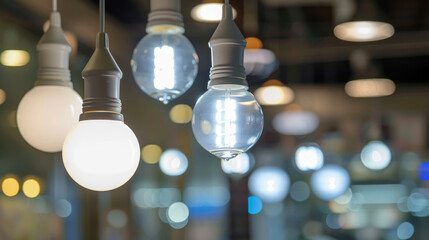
[
  {"x": 227, "y": 122},
  {"x": 46, "y": 114},
  {"x": 164, "y": 65},
  {"x": 101, "y": 155}
]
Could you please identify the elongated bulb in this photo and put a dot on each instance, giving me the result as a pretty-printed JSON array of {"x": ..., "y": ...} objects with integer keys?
[
  {"x": 101, "y": 155},
  {"x": 164, "y": 64},
  {"x": 46, "y": 114},
  {"x": 227, "y": 121}
]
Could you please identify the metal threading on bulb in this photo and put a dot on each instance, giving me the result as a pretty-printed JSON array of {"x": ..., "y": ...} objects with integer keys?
[
  {"x": 165, "y": 16},
  {"x": 102, "y": 77}
]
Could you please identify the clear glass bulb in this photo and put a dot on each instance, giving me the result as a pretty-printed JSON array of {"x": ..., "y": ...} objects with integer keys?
[
  {"x": 101, "y": 155},
  {"x": 46, "y": 114},
  {"x": 164, "y": 64},
  {"x": 227, "y": 121}
]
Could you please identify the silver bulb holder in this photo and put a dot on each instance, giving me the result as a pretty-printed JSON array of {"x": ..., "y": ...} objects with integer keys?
[
  {"x": 165, "y": 16},
  {"x": 54, "y": 52},
  {"x": 102, "y": 78},
  {"x": 227, "y": 50}
]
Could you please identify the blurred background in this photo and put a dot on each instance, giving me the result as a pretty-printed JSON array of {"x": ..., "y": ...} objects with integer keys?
[{"x": 337, "y": 159}]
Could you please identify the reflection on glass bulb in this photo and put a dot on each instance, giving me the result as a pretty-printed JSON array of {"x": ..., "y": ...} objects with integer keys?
[
  {"x": 164, "y": 64},
  {"x": 46, "y": 114},
  {"x": 101, "y": 155},
  {"x": 227, "y": 122}
]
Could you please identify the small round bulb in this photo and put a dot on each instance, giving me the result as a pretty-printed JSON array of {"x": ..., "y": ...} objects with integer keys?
[
  {"x": 227, "y": 121},
  {"x": 164, "y": 64},
  {"x": 46, "y": 114},
  {"x": 101, "y": 155}
]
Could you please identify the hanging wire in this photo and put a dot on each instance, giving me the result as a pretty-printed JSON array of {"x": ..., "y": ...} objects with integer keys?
[
  {"x": 54, "y": 5},
  {"x": 102, "y": 12},
  {"x": 226, "y": 1}
]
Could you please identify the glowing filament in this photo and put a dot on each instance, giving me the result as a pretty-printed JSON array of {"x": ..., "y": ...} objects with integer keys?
[
  {"x": 164, "y": 68},
  {"x": 226, "y": 127}
]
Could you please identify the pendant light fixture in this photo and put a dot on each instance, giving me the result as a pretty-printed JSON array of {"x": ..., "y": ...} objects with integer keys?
[
  {"x": 227, "y": 120},
  {"x": 101, "y": 153},
  {"x": 164, "y": 63},
  {"x": 365, "y": 25},
  {"x": 48, "y": 111}
]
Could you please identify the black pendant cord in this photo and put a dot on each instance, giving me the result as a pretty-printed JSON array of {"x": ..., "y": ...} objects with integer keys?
[{"x": 102, "y": 15}]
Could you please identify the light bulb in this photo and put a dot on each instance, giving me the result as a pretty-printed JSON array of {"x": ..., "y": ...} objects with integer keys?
[
  {"x": 101, "y": 155},
  {"x": 46, "y": 114},
  {"x": 227, "y": 121},
  {"x": 164, "y": 64}
]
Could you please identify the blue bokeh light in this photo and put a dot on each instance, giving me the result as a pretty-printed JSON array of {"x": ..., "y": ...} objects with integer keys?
[
  {"x": 254, "y": 205},
  {"x": 423, "y": 171}
]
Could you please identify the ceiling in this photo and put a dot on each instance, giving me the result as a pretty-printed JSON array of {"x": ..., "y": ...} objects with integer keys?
[{"x": 299, "y": 32}]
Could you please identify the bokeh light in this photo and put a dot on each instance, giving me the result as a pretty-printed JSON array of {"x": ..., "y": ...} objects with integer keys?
[
  {"x": 253, "y": 43},
  {"x": 405, "y": 230},
  {"x": 2, "y": 96},
  {"x": 254, "y": 205},
  {"x": 178, "y": 212},
  {"x": 63, "y": 208},
  {"x": 181, "y": 114},
  {"x": 10, "y": 186},
  {"x": 117, "y": 218},
  {"x": 274, "y": 95},
  {"x": 299, "y": 191},
  {"x": 173, "y": 162},
  {"x": 239, "y": 165},
  {"x": 363, "y": 31},
  {"x": 151, "y": 153},
  {"x": 156, "y": 197},
  {"x": 209, "y": 12},
  {"x": 372, "y": 87},
  {"x": 31, "y": 188},
  {"x": 376, "y": 155},
  {"x": 309, "y": 157},
  {"x": 259, "y": 63},
  {"x": 423, "y": 171},
  {"x": 294, "y": 121},
  {"x": 14, "y": 58},
  {"x": 330, "y": 182},
  {"x": 334, "y": 221},
  {"x": 271, "y": 184}
]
